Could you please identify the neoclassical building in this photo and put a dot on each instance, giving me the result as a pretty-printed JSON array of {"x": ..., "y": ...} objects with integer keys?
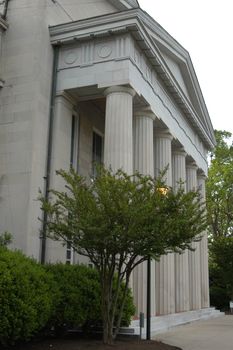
[{"x": 84, "y": 81}]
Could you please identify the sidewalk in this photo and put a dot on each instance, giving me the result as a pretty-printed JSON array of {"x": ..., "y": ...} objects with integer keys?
[{"x": 213, "y": 334}]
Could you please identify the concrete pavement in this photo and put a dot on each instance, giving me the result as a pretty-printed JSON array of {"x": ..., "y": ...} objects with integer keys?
[{"x": 213, "y": 334}]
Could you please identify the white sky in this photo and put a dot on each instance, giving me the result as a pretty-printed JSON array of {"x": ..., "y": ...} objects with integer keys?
[{"x": 205, "y": 29}]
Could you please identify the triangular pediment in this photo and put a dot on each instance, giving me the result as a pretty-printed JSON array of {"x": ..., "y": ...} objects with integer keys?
[
  {"x": 178, "y": 62},
  {"x": 175, "y": 68}
]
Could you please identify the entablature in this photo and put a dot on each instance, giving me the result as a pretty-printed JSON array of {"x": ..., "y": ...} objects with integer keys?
[{"x": 131, "y": 22}]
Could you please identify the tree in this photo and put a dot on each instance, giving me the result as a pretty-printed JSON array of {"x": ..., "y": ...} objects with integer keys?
[
  {"x": 220, "y": 218},
  {"x": 220, "y": 187},
  {"x": 118, "y": 221},
  {"x": 222, "y": 265}
]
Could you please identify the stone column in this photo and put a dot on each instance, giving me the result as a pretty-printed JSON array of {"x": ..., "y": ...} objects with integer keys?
[
  {"x": 118, "y": 140},
  {"x": 165, "y": 272},
  {"x": 205, "y": 299},
  {"x": 194, "y": 256},
  {"x": 181, "y": 260},
  {"x": 144, "y": 164}
]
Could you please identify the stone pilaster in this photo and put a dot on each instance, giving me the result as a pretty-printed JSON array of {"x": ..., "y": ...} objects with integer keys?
[
  {"x": 165, "y": 272},
  {"x": 60, "y": 159},
  {"x": 181, "y": 260},
  {"x": 118, "y": 140},
  {"x": 205, "y": 300},
  {"x": 194, "y": 256},
  {"x": 144, "y": 164}
]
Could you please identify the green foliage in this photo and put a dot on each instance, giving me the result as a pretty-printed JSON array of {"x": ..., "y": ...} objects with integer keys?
[
  {"x": 27, "y": 295},
  {"x": 221, "y": 255},
  {"x": 219, "y": 187},
  {"x": 115, "y": 215},
  {"x": 117, "y": 221},
  {"x": 218, "y": 292},
  {"x": 79, "y": 294},
  {"x": 5, "y": 239},
  {"x": 80, "y": 297},
  {"x": 220, "y": 218}
]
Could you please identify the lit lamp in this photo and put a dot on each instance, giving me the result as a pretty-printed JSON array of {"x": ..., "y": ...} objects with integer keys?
[{"x": 163, "y": 190}]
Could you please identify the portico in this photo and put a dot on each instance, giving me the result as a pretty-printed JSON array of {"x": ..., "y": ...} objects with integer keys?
[
  {"x": 124, "y": 93},
  {"x": 148, "y": 124}
]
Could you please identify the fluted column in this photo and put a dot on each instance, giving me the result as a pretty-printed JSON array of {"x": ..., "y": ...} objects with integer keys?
[
  {"x": 194, "y": 256},
  {"x": 181, "y": 260},
  {"x": 165, "y": 273},
  {"x": 144, "y": 164},
  {"x": 143, "y": 142},
  {"x": 205, "y": 300},
  {"x": 118, "y": 140}
]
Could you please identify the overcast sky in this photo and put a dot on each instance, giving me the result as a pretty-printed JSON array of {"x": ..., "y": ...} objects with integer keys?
[{"x": 205, "y": 29}]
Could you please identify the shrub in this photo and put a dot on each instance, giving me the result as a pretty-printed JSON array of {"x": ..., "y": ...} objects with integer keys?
[
  {"x": 219, "y": 290},
  {"x": 79, "y": 294},
  {"x": 80, "y": 303},
  {"x": 27, "y": 297}
]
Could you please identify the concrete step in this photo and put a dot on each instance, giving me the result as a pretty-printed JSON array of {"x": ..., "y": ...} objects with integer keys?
[{"x": 160, "y": 324}]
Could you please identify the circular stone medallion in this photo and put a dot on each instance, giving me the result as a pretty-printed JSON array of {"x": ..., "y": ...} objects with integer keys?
[
  {"x": 71, "y": 57},
  {"x": 104, "y": 51}
]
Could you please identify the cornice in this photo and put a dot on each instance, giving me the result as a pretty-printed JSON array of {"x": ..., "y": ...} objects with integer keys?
[{"x": 133, "y": 21}]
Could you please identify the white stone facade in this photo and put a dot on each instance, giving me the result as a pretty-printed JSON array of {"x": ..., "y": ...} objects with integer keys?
[{"x": 73, "y": 72}]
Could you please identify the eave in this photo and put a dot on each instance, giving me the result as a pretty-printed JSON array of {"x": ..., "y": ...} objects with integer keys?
[{"x": 132, "y": 21}]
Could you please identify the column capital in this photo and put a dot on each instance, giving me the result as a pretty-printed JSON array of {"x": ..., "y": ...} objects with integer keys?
[
  {"x": 64, "y": 95},
  {"x": 179, "y": 152},
  {"x": 201, "y": 175},
  {"x": 192, "y": 166},
  {"x": 163, "y": 133},
  {"x": 144, "y": 112},
  {"x": 119, "y": 88}
]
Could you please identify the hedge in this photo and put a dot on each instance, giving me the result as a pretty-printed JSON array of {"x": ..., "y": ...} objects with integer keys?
[
  {"x": 27, "y": 297},
  {"x": 80, "y": 303},
  {"x": 34, "y": 298}
]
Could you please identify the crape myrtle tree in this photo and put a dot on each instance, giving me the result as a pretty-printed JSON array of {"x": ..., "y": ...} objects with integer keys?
[{"x": 118, "y": 221}]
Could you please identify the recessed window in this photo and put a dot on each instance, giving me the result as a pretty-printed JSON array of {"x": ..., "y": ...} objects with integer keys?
[{"x": 97, "y": 151}]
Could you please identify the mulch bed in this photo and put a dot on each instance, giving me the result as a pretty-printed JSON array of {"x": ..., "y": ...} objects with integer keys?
[{"x": 88, "y": 344}]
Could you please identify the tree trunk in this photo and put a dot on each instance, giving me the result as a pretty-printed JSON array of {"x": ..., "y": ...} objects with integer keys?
[
  {"x": 106, "y": 312},
  {"x": 118, "y": 323}
]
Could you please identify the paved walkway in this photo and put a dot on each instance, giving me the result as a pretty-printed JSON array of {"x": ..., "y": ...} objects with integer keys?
[{"x": 213, "y": 334}]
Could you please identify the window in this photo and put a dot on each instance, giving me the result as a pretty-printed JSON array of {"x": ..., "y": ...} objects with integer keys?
[
  {"x": 97, "y": 151},
  {"x": 74, "y": 165},
  {"x": 69, "y": 254}
]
